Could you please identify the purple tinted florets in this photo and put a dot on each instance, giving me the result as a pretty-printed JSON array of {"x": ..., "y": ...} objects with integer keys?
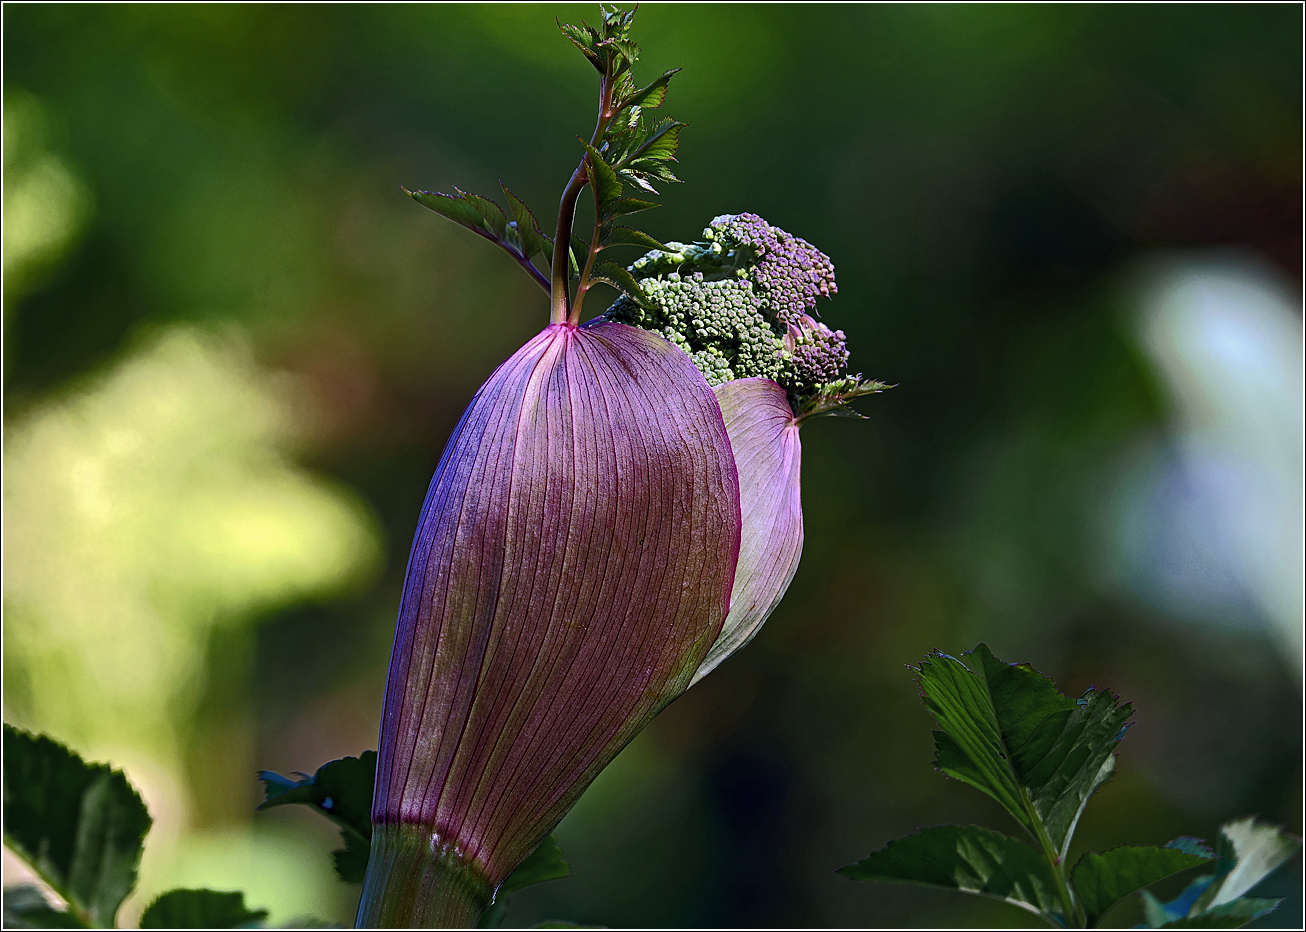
[
  {"x": 741, "y": 305},
  {"x": 792, "y": 271}
]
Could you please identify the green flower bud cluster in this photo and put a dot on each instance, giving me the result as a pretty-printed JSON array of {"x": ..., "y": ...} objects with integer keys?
[{"x": 740, "y": 304}]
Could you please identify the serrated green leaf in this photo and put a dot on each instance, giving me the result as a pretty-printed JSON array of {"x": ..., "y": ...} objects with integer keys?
[
  {"x": 585, "y": 39},
  {"x": 661, "y": 142},
  {"x": 1231, "y": 915},
  {"x": 629, "y": 236},
  {"x": 619, "y": 278},
  {"x": 627, "y": 205},
  {"x": 458, "y": 209},
  {"x": 528, "y": 229},
  {"x": 1010, "y": 734},
  {"x": 1103, "y": 880},
  {"x": 201, "y": 909},
  {"x": 651, "y": 95},
  {"x": 579, "y": 249},
  {"x": 607, "y": 186},
  {"x": 969, "y": 858},
  {"x": 341, "y": 790},
  {"x": 492, "y": 215},
  {"x": 1249, "y": 851},
  {"x": 80, "y": 826},
  {"x": 25, "y": 907}
]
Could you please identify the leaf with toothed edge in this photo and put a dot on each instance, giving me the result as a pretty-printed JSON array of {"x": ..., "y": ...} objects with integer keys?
[
  {"x": 651, "y": 95},
  {"x": 1103, "y": 880},
  {"x": 607, "y": 186},
  {"x": 628, "y": 236},
  {"x": 80, "y": 826},
  {"x": 200, "y": 909},
  {"x": 627, "y": 205},
  {"x": 619, "y": 278},
  {"x": 341, "y": 790},
  {"x": 1009, "y": 733},
  {"x": 532, "y": 238}
]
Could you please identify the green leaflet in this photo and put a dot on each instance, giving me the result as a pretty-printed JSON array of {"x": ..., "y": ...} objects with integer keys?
[
  {"x": 1008, "y": 732},
  {"x": 342, "y": 791},
  {"x": 80, "y": 826},
  {"x": 1103, "y": 880},
  {"x": 200, "y": 909},
  {"x": 968, "y": 858}
]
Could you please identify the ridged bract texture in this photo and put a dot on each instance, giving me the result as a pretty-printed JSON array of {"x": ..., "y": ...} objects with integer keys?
[
  {"x": 572, "y": 567},
  {"x": 768, "y": 453}
]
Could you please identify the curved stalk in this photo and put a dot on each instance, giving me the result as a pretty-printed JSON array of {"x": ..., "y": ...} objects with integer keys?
[{"x": 560, "y": 309}]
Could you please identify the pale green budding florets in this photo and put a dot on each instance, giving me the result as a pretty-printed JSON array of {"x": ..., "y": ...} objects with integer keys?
[{"x": 740, "y": 304}]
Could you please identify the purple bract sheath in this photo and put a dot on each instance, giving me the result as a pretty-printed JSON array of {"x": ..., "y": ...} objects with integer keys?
[{"x": 572, "y": 567}]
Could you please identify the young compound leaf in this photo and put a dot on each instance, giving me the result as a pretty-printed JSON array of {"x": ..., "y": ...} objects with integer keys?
[
  {"x": 969, "y": 858},
  {"x": 1103, "y": 880},
  {"x": 80, "y": 826},
  {"x": 619, "y": 278},
  {"x": 1010, "y": 734},
  {"x": 456, "y": 208},
  {"x": 629, "y": 236},
  {"x": 607, "y": 186},
  {"x": 585, "y": 39},
  {"x": 25, "y": 907},
  {"x": 532, "y": 238},
  {"x": 200, "y": 909},
  {"x": 545, "y": 863},
  {"x": 651, "y": 95},
  {"x": 342, "y": 791}
]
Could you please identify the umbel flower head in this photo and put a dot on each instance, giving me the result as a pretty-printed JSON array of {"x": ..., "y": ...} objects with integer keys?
[{"x": 616, "y": 513}]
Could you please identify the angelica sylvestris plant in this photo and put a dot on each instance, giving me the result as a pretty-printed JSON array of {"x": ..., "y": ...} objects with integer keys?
[
  {"x": 616, "y": 512},
  {"x": 1005, "y": 730}
]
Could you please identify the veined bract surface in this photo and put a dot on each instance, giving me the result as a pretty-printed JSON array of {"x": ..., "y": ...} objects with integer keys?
[{"x": 572, "y": 567}]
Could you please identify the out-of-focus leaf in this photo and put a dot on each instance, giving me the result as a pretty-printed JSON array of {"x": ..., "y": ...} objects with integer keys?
[
  {"x": 342, "y": 791},
  {"x": 545, "y": 863},
  {"x": 201, "y": 909},
  {"x": 629, "y": 236},
  {"x": 969, "y": 858},
  {"x": 1249, "y": 851},
  {"x": 25, "y": 907},
  {"x": 1231, "y": 915},
  {"x": 618, "y": 278},
  {"x": 1103, "y": 880},
  {"x": 80, "y": 826},
  {"x": 1008, "y": 732}
]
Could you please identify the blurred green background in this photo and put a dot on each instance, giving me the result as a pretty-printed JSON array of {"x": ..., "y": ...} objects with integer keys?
[{"x": 233, "y": 351}]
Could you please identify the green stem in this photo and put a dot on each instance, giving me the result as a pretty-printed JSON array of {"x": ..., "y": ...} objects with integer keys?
[
  {"x": 1074, "y": 916},
  {"x": 414, "y": 881},
  {"x": 561, "y": 310}
]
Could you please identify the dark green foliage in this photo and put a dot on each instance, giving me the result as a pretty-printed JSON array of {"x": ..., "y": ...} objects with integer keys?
[
  {"x": 342, "y": 791},
  {"x": 968, "y": 858},
  {"x": 521, "y": 238},
  {"x": 201, "y": 909},
  {"x": 80, "y": 826},
  {"x": 1102, "y": 880},
  {"x": 25, "y": 907},
  {"x": 1008, "y": 732}
]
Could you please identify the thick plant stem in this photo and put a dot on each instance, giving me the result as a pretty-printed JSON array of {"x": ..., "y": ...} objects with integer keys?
[{"x": 415, "y": 882}]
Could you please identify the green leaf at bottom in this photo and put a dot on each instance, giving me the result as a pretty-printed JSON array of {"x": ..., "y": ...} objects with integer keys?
[
  {"x": 25, "y": 907},
  {"x": 200, "y": 909},
  {"x": 1102, "y": 880},
  {"x": 80, "y": 826},
  {"x": 967, "y": 858}
]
